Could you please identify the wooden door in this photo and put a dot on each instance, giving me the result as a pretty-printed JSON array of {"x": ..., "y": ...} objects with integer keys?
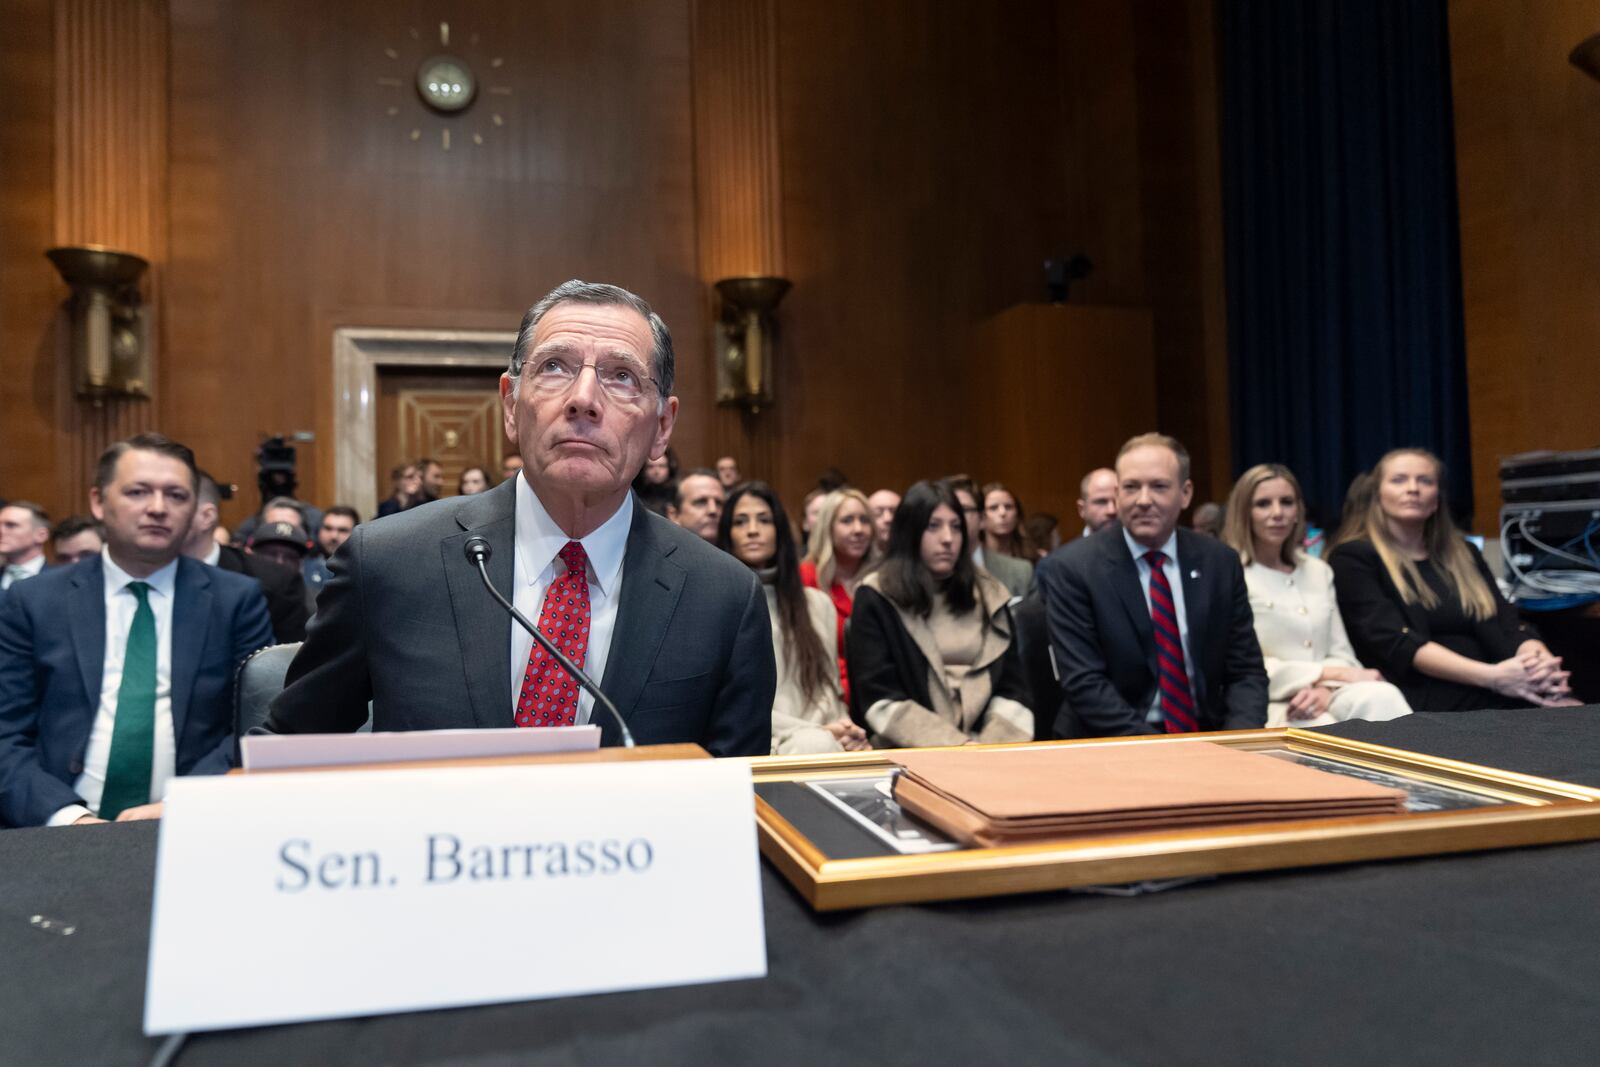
[{"x": 452, "y": 415}]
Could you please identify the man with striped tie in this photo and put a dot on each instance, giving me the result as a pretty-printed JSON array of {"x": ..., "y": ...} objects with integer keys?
[{"x": 1151, "y": 625}]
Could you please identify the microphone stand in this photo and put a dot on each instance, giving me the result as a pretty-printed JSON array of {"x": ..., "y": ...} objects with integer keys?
[{"x": 477, "y": 552}]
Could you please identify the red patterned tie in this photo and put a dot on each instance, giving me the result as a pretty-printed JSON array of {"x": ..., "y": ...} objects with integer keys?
[
  {"x": 549, "y": 695},
  {"x": 1177, "y": 703}
]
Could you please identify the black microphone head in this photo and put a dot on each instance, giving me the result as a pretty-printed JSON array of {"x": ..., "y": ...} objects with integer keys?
[{"x": 476, "y": 549}]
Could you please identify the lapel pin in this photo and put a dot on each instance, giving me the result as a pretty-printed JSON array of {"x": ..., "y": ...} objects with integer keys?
[{"x": 1194, "y": 574}]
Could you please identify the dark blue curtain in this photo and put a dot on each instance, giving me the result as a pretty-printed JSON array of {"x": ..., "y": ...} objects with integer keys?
[{"x": 1343, "y": 256}]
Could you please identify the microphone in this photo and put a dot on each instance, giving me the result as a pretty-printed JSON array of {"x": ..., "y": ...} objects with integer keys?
[{"x": 477, "y": 552}]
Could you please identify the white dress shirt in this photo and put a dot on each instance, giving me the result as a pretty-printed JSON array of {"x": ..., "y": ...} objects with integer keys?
[
  {"x": 1174, "y": 574},
  {"x": 12, "y": 573},
  {"x": 120, "y": 607},
  {"x": 537, "y": 563}
]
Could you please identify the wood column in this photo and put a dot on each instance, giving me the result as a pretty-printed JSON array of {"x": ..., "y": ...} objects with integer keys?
[
  {"x": 738, "y": 190},
  {"x": 110, "y": 189}
]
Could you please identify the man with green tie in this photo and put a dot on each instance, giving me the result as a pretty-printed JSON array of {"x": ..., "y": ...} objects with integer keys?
[{"x": 116, "y": 674}]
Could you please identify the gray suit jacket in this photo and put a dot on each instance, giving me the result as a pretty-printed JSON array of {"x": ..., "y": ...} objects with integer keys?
[
  {"x": 1015, "y": 574},
  {"x": 406, "y": 623}
]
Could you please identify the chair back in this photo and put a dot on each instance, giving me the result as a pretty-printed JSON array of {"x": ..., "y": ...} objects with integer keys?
[{"x": 259, "y": 679}]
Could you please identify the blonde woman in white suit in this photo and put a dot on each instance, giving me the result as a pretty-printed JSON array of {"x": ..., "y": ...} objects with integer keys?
[{"x": 1313, "y": 676}]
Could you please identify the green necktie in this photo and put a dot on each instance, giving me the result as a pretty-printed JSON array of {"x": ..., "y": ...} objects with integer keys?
[{"x": 133, "y": 735}]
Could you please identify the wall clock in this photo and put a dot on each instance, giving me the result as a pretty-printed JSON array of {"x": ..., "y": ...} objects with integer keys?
[{"x": 459, "y": 98}]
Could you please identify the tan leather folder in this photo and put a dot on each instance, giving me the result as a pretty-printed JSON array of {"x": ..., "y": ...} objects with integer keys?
[{"x": 1023, "y": 795}]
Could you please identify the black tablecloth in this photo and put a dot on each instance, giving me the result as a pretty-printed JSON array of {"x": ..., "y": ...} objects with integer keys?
[{"x": 1490, "y": 958}]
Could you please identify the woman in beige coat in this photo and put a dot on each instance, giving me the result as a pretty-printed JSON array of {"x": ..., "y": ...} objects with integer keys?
[
  {"x": 931, "y": 649},
  {"x": 1313, "y": 676}
]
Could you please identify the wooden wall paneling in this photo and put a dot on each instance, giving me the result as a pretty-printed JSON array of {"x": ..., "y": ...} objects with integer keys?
[
  {"x": 1527, "y": 160},
  {"x": 738, "y": 189},
  {"x": 1045, "y": 437},
  {"x": 1175, "y": 59},
  {"x": 110, "y": 187},
  {"x": 302, "y": 203},
  {"x": 923, "y": 187},
  {"x": 30, "y": 290}
]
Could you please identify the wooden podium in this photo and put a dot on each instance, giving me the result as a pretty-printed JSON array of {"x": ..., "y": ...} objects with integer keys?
[{"x": 1058, "y": 388}]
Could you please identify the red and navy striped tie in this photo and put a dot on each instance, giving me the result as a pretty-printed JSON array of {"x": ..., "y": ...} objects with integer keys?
[{"x": 1172, "y": 674}]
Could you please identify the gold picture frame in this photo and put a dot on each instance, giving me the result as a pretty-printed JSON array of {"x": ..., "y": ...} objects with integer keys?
[{"x": 1495, "y": 809}]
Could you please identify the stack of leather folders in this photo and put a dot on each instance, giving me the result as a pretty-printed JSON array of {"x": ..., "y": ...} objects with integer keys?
[{"x": 1018, "y": 796}]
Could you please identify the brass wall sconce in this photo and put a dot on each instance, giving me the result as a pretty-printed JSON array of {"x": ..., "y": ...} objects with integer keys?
[
  {"x": 111, "y": 343},
  {"x": 745, "y": 335}
]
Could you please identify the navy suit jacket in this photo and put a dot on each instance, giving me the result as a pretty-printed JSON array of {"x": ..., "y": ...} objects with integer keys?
[
  {"x": 406, "y": 623},
  {"x": 1105, "y": 646},
  {"x": 52, "y": 657}
]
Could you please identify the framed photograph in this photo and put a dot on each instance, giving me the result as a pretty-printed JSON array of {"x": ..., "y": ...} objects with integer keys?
[{"x": 831, "y": 826}]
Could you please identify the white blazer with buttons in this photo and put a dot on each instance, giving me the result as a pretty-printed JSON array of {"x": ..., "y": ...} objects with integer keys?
[{"x": 1298, "y": 624}]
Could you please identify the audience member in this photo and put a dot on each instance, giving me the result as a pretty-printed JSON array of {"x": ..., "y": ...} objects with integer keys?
[
  {"x": 1097, "y": 500},
  {"x": 657, "y": 484},
  {"x": 288, "y": 510},
  {"x": 660, "y": 470},
  {"x": 728, "y": 471},
  {"x": 473, "y": 480},
  {"x": 832, "y": 478},
  {"x": 932, "y": 660},
  {"x": 809, "y": 510},
  {"x": 1208, "y": 519},
  {"x": 1313, "y": 677},
  {"x": 697, "y": 503},
  {"x": 76, "y": 538},
  {"x": 1420, "y": 604},
  {"x": 1042, "y": 532},
  {"x": 169, "y": 634},
  {"x": 407, "y": 490},
  {"x": 882, "y": 503},
  {"x": 1151, "y": 624},
  {"x": 24, "y": 531},
  {"x": 1353, "y": 519},
  {"x": 838, "y": 556},
  {"x": 338, "y": 523},
  {"x": 509, "y": 466},
  {"x": 432, "y": 475},
  {"x": 808, "y": 712},
  {"x": 1001, "y": 523},
  {"x": 282, "y": 586},
  {"x": 675, "y": 631},
  {"x": 1015, "y": 574}
]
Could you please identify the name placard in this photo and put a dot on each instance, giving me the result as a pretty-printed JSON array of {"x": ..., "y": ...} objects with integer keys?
[{"x": 298, "y": 896}]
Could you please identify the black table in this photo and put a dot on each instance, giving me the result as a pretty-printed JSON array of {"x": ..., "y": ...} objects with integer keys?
[{"x": 1489, "y": 958}]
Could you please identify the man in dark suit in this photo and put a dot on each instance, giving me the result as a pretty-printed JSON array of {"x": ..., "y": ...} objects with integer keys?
[
  {"x": 116, "y": 674},
  {"x": 282, "y": 586},
  {"x": 24, "y": 530},
  {"x": 1150, "y": 624},
  {"x": 675, "y": 631}
]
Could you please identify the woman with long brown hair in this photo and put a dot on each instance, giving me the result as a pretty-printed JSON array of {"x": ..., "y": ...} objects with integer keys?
[
  {"x": 1002, "y": 523},
  {"x": 808, "y": 710},
  {"x": 1420, "y": 604},
  {"x": 1313, "y": 676},
  {"x": 933, "y": 656}
]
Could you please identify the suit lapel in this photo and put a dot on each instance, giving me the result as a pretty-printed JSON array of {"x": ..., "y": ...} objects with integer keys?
[
  {"x": 191, "y": 618},
  {"x": 651, "y": 584},
  {"x": 1123, "y": 573},
  {"x": 482, "y": 626},
  {"x": 87, "y": 617}
]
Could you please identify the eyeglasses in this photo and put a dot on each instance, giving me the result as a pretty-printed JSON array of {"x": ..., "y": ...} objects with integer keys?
[{"x": 620, "y": 377}]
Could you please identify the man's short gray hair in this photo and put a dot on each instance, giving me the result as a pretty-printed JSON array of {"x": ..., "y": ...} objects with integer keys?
[{"x": 581, "y": 292}]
